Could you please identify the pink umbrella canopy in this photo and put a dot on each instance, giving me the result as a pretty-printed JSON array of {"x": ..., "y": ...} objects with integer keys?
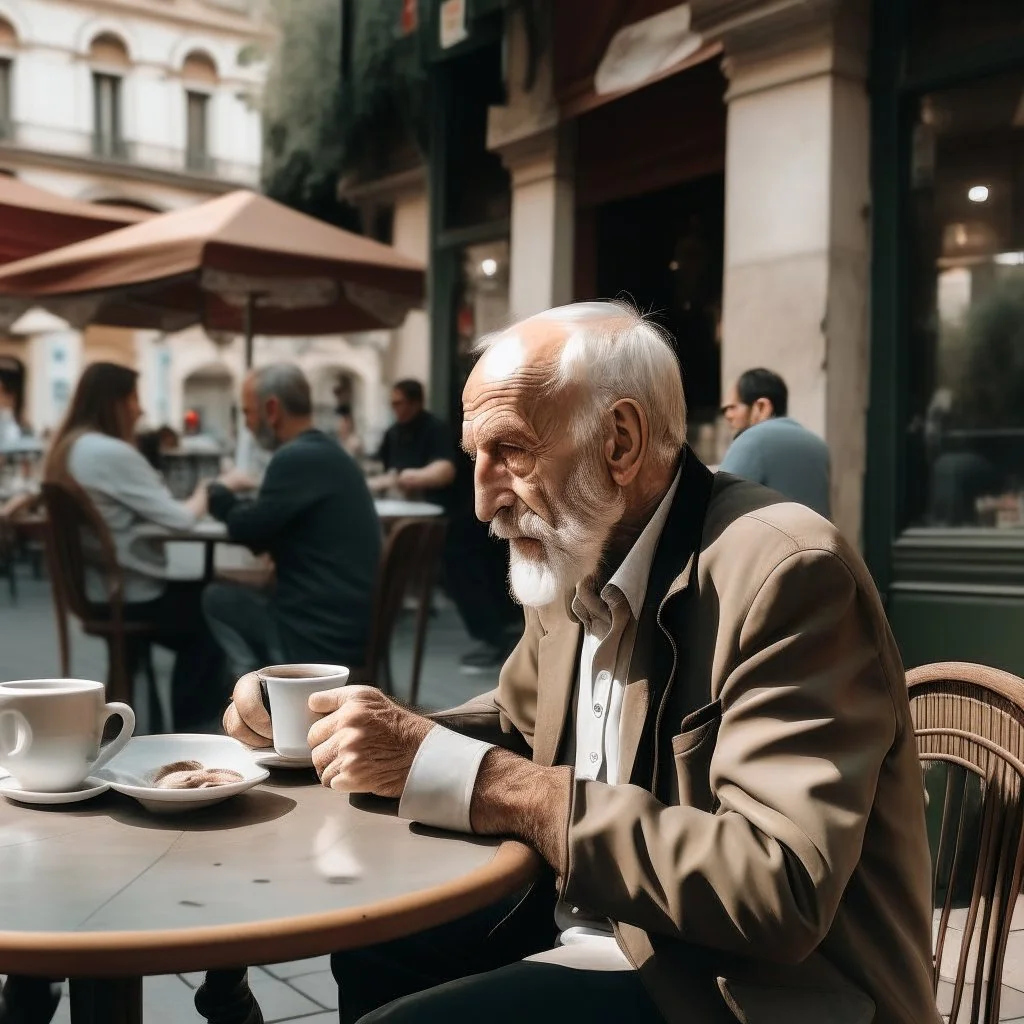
[
  {"x": 33, "y": 220},
  {"x": 238, "y": 263}
]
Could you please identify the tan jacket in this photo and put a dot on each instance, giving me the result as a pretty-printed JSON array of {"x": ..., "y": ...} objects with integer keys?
[{"x": 768, "y": 861}]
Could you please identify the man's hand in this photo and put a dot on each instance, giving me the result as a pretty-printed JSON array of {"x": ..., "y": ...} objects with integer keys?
[
  {"x": 246, "y": 718},
  {"x": 237, "y": 480},
  {"x": 409, "y": 480},
  {"x": 383, "y": 482},
  {"x": 366, "y": 743}
]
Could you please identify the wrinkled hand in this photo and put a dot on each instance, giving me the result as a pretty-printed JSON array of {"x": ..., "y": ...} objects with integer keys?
[
  {"x": 246, "y": 718},
  {"x": 366, "y": 743}
]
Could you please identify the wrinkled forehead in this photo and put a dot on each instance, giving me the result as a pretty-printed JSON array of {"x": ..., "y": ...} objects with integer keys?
[{"x": 514, "y": 375}]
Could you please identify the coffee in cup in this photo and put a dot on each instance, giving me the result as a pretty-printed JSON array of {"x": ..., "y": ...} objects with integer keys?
[
  {"x": 50, "y": 731},
  {"x": 288, "y": 689}
]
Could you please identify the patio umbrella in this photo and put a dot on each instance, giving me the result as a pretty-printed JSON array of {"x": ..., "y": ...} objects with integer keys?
[
  {"x": 33, "y": 220},
  {"x": 240, "y": 263}
]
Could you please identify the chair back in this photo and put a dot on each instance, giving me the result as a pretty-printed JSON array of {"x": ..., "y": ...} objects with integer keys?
[
  {"x": 969, "y": 724},
  {"x": 78, "y": 539},
  {"x": 407, "y": 565}
]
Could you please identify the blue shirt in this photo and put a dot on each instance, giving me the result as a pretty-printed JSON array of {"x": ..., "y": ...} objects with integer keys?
[{"x": 788, "y": 458}]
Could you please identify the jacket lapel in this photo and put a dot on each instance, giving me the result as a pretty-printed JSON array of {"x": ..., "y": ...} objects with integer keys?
[
  {"x": 654, "y": 661},
  {"x": 557, "y": 667}
]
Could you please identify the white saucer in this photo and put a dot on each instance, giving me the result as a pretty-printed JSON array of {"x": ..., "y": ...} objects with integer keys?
[
  {"x": 86, "y": 791},
  {"x": 272, "y": 759},
  {"x": 130, "y": 770}
]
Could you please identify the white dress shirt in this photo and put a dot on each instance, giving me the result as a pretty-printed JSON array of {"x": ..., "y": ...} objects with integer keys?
[{"x": 439, "y": 789}]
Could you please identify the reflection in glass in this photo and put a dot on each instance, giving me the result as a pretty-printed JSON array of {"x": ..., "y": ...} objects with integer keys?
[{"x": 965, "y": 464}]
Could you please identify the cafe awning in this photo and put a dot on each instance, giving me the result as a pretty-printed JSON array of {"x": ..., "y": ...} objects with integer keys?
[{"x": 608, "y": 50}]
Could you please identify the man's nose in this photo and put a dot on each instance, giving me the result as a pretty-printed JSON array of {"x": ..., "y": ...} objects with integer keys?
[{"x": 490, "y": 487}]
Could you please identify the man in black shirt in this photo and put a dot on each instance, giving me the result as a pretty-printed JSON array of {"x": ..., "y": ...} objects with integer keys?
[
  {"x": 315, "y": 517},
  {"x": 417, "y": 450},
  {"x": 420, "y": 461}
]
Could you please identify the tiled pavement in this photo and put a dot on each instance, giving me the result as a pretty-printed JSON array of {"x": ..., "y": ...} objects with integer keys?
[{"x": 304, "y": 991}]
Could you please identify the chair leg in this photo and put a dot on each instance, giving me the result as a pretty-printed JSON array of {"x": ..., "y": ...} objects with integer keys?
[
  {"x": 419, "y": 640},
  {"x": 119, "y": 679},
  {"x": 225, "y": 998}
]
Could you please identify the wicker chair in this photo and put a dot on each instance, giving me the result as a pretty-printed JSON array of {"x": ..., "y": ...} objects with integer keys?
[
  {"x": 72, "y": 516},
  {"x": 969, "y": 724},
  {"x": 411, "y": 551}
]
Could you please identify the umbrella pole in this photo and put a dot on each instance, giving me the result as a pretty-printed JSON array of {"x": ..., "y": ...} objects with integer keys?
[{"x": 250, "y": 308}]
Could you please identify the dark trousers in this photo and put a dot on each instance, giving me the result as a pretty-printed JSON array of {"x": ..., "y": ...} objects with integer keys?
[
  {"x": 476, "y": 578},
  {"x": 471, "y": 970},
  {"x": 198, "y": 691}
]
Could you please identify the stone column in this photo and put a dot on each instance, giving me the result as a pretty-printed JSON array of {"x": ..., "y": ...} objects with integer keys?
[
  {"x": 537, "y": 151},
  {"x": 797, "y": 214}
]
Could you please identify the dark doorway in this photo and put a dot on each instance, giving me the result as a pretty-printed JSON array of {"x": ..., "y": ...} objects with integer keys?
[{"x": 664, "y": 251}]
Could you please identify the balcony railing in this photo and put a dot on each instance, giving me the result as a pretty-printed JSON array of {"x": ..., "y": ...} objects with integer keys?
[{"x": 127, "y": 152}]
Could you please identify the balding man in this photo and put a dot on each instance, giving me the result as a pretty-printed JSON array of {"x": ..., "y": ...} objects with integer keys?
[
  {"x": 704, "y": 730},
  {"x": 315, "y": 517}
]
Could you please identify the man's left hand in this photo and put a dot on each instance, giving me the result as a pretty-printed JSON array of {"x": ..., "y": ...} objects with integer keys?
[{"x": 366, "y": 743}]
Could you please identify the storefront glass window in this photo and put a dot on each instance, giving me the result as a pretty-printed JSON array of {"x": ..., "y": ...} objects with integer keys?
[
  {"x": 965, "y": 460},
  {"x": 482, "y": 307}
]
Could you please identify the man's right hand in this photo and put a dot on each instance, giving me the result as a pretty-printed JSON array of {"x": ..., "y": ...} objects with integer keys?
[{"x": 246, "y": 719}]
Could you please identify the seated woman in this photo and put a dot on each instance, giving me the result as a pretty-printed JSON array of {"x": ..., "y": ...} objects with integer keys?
[{"x": 94, "y": 448}]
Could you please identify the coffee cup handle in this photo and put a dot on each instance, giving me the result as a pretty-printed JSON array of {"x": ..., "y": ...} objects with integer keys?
[
  {"x": 127, "y": 717},
  {"x": 24, "y": 733}
]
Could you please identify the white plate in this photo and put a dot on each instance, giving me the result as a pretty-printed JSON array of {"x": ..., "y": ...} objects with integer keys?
[
  {"x": 272, "y": 759},
  {"x": 86, "y": 791},
  {"x": 129, "y": 771}
]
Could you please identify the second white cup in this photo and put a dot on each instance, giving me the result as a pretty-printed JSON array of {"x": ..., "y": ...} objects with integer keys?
[{"x": 289, "y": 688}]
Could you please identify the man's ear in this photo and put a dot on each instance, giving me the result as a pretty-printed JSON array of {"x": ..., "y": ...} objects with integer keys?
[{"x": 626, "y": 447}]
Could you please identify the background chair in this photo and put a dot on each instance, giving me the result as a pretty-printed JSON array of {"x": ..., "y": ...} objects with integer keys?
[
  {"x": 72, "y": 517},
  {"x": 969, "y": 724},
  {"x": 408, "y": 565}
]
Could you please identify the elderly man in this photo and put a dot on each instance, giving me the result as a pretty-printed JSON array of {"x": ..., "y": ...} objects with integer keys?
[
  {"x": 704, "y": 730},
  {"x": 314, "y": 515}
]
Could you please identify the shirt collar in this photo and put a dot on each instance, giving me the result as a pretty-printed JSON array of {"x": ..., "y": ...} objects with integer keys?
[{"x": 630, "y": 579}]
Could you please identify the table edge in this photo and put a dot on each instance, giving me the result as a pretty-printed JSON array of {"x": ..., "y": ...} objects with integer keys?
[{"x": 121, "y": 954}]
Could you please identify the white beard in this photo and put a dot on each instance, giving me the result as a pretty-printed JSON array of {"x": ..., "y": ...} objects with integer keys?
[{"x": 571, "y": 553}]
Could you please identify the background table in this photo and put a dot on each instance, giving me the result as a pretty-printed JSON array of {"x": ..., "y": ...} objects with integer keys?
[
  {"x": 105, "y": 890},
  {"x": 395, "y": 508}
]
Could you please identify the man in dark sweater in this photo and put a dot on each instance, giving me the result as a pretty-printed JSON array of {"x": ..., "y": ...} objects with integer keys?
[{"x": 314, "y": 516}]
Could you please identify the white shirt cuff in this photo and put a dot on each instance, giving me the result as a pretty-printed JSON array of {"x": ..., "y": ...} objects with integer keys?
[{"x": 439, "y": 789}]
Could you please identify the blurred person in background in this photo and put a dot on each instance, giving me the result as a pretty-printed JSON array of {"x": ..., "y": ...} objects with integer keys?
[
  {"x": 10, "y": 428},
  {"x": 417, "y": 451},
  {"x": 95, "y": 448},
  {"x": 314, "y": 516},
  {"x": 771, "y": 448},
  {"x": 348, "y": 437},
  {"x": 420, "y": 460}
]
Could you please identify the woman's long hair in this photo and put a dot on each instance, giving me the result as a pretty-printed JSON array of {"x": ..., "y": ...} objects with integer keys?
[{"x": 97, "y": 406}]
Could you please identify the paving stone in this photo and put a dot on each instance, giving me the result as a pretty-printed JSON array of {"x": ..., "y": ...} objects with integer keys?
[
  {"x": 320, "y": 987},
  {"x": 278, "y": 1000},
  {"x": 296, "y": 967}
]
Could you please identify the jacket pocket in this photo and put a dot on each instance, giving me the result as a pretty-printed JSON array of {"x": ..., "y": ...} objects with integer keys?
[{"x": 691, "y": 750}]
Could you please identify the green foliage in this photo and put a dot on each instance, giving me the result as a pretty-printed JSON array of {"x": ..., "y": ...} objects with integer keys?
[
  {"x": 317, "y": 127},
  {"x": 383, "y": 106},
  {"x": 993, "y": 391},
  {"x": 301, "y": 144}
]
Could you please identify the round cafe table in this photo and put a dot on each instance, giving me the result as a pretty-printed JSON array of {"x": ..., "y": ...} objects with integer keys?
[{"x": 104, "y": 892}]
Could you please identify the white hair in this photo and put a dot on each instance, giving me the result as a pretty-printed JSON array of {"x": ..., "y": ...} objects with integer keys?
[{"x": 617, "y": 353}]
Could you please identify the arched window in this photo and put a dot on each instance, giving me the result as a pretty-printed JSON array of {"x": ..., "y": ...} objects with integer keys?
[
  {"x": 109, "y": 58},
  {"x": 8, "y": 44},
  {"x": 199, "y": 74}
]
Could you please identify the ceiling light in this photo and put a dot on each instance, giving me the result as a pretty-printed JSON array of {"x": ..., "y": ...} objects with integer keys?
[
  {"x": 1010, "y": 259},
  {"x": 978, "y": 193},
  {"x": 488, "y": 267}
]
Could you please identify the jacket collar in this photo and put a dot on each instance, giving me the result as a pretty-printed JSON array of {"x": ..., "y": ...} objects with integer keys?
[{"x": 558, "y": 653}]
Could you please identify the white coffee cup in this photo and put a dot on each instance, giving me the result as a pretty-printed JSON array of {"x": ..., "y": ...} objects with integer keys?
[
  {"x": 289, "y": 688},
  {"x": 50, "y": 731}
]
